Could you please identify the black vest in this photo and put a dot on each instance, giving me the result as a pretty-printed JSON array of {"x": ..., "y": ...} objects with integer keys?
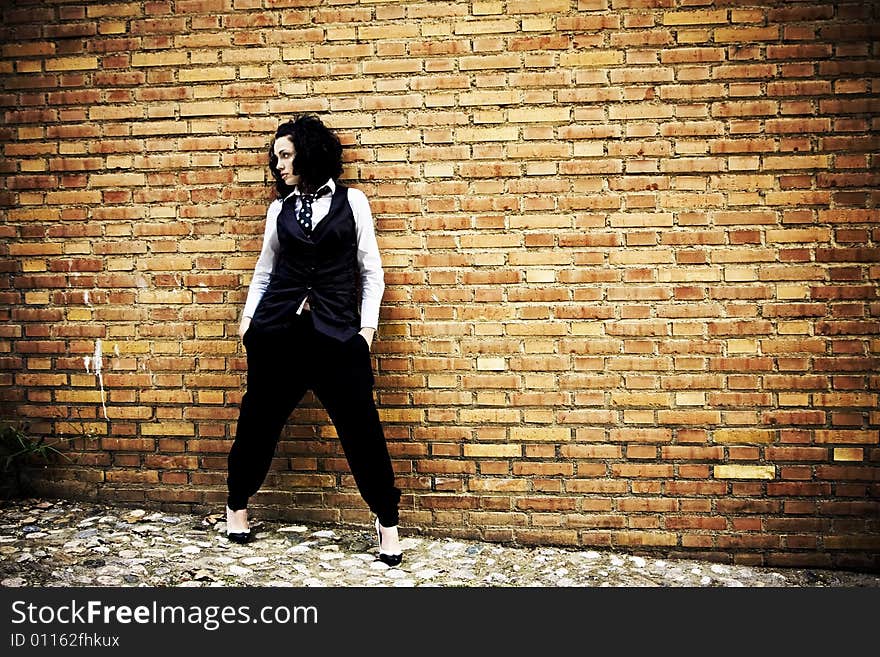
[{"x": 322, "y": 267}]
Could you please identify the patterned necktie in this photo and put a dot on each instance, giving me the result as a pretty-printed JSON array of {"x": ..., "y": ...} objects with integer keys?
[{"x": 304, "y": 216}]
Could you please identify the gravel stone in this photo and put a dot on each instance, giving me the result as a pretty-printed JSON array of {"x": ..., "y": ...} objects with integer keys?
[{"x": 70, "y": 543}]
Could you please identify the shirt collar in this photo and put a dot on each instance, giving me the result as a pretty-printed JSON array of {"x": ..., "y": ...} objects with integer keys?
[{"x": 330, "y": 183}]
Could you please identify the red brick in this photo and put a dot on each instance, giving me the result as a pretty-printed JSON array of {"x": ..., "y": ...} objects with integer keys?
[{"x": 632, "y": 319}]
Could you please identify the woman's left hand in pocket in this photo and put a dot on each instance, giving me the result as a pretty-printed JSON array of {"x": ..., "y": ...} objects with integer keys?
[{"x": 368, "y": 333}]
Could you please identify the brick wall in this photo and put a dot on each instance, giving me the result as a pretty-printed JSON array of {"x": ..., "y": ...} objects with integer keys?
[{"x": 630, "y": 251}]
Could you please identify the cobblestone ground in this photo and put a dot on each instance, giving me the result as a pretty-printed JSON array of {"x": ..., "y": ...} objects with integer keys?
[{"x": 65, "y": 543}]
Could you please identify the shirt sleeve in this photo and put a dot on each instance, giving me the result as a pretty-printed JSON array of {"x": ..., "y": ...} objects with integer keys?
[
  {"x": 369, "y": 261},
  {"x": 266, "y": 261}
]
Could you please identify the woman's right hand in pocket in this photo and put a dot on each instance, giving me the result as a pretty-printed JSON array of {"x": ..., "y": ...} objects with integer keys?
[{"x": 243, "y": 327}]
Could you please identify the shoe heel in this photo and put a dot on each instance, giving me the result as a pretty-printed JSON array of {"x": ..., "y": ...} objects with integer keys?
[
  {"x": 237, "y": 537},
  {"x": 388, "y": 558}
]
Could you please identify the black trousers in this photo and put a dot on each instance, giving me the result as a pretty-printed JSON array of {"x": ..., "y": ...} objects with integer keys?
[{"x": 282, "y": 365}]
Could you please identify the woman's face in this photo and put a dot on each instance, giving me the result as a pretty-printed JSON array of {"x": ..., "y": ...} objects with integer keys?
[{"x": 285, "y": 153}]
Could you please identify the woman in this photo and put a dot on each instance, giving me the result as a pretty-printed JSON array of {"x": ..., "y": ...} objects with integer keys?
[{"x": 308, "y": 322}]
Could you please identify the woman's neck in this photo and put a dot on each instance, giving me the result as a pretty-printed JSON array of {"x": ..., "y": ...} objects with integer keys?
[{"x": 306, "y": 188}]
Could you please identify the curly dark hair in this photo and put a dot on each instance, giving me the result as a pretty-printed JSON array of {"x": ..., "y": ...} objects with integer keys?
[{"x": 318, "y": 154}]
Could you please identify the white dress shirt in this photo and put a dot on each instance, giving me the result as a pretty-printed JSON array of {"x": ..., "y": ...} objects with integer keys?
[{"x": 369, "y": 262}]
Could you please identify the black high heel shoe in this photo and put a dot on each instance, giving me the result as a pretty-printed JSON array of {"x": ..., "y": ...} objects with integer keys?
[
  {"x": 236, "y": 537},
  {"x": 388, "y": 558}
]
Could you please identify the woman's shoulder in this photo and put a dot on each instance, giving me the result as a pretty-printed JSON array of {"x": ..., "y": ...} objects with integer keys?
[{"x": 356, "y": 195}]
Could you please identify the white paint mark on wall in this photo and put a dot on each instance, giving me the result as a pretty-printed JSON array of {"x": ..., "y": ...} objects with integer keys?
[
  {"x": 99, "y": 363},
  {"x": 146, "y": 368},
  {"x": 86, "y": 298},
  {"x": 87, "y": 360}
]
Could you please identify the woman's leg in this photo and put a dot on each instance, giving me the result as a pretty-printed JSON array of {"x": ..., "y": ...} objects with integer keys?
[
  {"x": 346, "y": 391},
  {"x": 275, "y": 385}
]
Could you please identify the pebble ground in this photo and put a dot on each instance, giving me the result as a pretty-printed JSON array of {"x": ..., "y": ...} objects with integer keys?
[{"x": 46, "y": 543}]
